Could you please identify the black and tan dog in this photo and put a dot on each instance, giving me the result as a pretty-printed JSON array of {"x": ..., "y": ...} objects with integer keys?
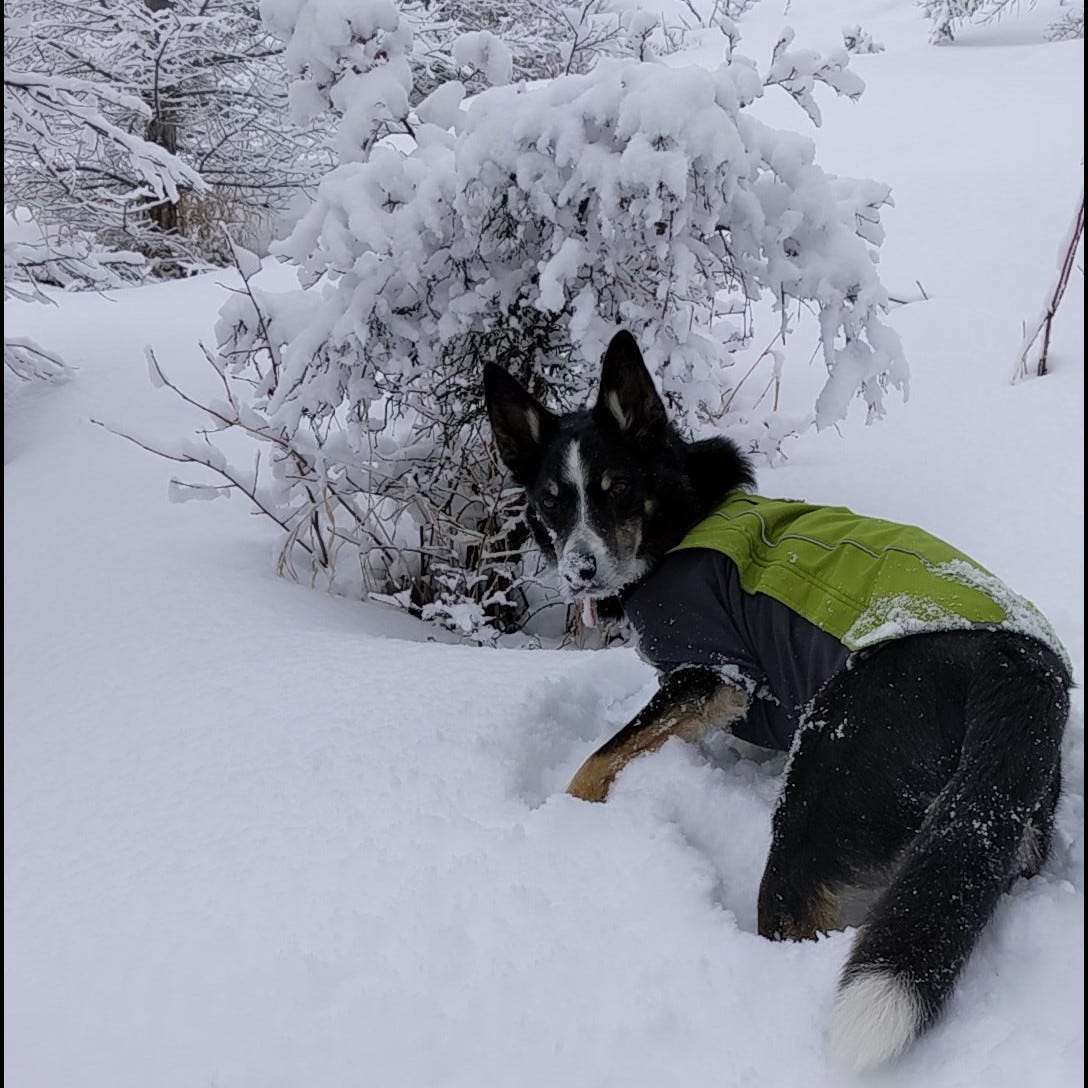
[{"x": 925, "y": 762}]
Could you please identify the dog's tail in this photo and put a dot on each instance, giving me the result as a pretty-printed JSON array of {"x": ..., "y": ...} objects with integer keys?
[{"x": 990, "y": 824}]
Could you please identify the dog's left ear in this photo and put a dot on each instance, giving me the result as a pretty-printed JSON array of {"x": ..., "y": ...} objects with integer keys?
[{"x": 627, "y": 400}]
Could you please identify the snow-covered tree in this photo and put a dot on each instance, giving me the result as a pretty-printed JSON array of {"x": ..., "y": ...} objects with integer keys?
[
  {"x": 198, "y": 81},
  {"x": 57, "y": 128},
  {"x": 522, "y": 228}
]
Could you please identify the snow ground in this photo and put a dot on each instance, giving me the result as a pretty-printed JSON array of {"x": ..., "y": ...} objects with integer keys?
[{"x": 256, "y": 836}]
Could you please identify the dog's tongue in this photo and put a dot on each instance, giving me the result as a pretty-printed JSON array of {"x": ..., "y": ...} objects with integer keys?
[{"x": 589, "y": 612}]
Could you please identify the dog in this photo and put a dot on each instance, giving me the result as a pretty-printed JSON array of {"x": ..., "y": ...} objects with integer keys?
[{"x": 924, "y": 761}]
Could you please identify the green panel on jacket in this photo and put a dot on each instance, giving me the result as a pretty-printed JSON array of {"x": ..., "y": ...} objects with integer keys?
[{"x": 860, "y": 579}]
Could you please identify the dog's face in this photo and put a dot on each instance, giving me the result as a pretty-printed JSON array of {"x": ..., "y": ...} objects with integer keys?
[{"x": 589, "y": 476}]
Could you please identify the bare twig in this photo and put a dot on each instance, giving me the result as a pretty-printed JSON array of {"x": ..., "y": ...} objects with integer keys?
[{"x": 1043, "y": 324}]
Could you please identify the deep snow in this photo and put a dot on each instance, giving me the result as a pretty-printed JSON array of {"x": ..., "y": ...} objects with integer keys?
[{"x": 259, "y": 836}]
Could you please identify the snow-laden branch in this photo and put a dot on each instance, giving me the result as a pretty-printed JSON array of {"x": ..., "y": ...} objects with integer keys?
[{"x": 38, "y": 108}]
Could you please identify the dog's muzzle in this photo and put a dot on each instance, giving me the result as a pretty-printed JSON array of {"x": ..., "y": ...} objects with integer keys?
[{"x": 578, "y": 569}]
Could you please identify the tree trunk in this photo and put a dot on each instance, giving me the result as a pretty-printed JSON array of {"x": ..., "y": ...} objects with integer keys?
[{"x": 162, "y": 129}]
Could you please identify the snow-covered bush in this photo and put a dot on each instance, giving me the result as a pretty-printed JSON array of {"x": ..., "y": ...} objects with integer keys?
[
  {"x": 32, "y": 262},
  {"x": 524, "y": 228},
  {"x": 74, "y": 262},
  {"x": 1068, "y": 26},
  {"x": 856, "y": 40},
  {"x": 946, "y": 16}
]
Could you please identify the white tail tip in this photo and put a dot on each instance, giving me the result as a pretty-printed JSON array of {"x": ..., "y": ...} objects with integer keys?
[{"x": 876, "y": 1015}]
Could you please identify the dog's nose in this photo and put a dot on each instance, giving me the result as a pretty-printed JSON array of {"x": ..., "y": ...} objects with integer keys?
[{"x": 584, "y": 566}]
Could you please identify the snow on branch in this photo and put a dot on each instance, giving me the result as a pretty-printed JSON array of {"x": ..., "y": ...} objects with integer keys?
[
  {"x": 797, "y": 71},
  {"x": 29, "y": 362},
  {"x": 73, "y": 263},
  {"x": 37, "y": 108}
]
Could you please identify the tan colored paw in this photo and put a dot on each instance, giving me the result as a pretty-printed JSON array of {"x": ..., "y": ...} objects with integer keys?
[{"x": 593, "y": 780}]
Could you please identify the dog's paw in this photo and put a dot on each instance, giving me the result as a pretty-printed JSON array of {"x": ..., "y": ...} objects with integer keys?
[{"x": 593, "y": 780}]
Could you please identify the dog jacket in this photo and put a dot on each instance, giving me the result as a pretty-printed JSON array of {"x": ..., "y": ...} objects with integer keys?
[{"x": 779, "y": 594}]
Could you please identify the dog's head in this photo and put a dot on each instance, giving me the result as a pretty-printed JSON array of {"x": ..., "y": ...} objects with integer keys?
[{"x": 610, "y": 489}]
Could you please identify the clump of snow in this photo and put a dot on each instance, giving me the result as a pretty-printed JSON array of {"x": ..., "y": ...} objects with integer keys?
[
  {"x": 896, "y": 617},
  {"x": 1020, "y": 614},
  {"x": 483, "y": 51},
  {"x": 442, "y": 106}
]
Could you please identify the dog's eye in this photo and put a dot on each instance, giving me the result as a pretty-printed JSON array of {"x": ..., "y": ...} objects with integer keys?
[
  {"x": 619, "y": 487},
  {"x": 548, "y": 502}
]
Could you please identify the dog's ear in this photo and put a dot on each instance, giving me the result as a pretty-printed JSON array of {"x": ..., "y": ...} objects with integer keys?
[
  {"x": 627, "y": 400},
  {"x": 522, "y": 426}
]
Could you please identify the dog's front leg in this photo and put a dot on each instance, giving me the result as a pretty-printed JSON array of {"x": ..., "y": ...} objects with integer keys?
[{"x": 688, "y": 705}]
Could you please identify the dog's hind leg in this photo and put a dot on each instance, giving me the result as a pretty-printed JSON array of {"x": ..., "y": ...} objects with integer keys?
[
  {"x": 690, "y": 703},
  {"x": 867, "y": 764},
  {"x": 806, "y": 867}
]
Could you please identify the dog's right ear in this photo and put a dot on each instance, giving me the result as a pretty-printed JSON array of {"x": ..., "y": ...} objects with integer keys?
[{"x": 522, "y": 426}]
